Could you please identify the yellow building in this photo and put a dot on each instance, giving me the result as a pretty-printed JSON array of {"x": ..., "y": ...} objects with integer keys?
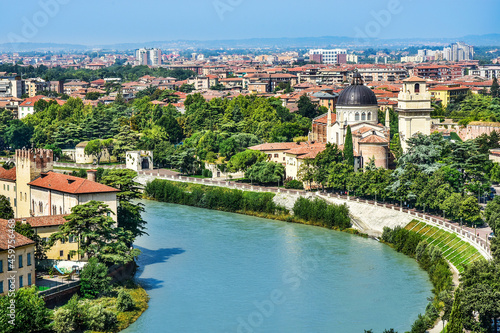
[
  {"x": 448, "y": 94},
  {"x": 8, "y": 186},
  {"x": 45, "y": 226},
  {"x": 17, "y": 262}
]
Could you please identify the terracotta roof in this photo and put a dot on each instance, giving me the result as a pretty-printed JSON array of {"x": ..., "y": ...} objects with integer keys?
[
  {"x": 373, "y": 139},
  {"x": 323, "y": 119},
  {"x": 284, "y": 145},
  {"x": 69, "y": 184},
  {"x": 8, "y": 174},
  {"x": 44, "y": 221},
  {"x": 414, "y": 79},
  {"x": 4, "y": 237}
]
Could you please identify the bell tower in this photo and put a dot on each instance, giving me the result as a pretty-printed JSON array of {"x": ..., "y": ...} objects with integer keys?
[
  {"x": 30, "y": 163},
  {"x": 414, "y": 109}
]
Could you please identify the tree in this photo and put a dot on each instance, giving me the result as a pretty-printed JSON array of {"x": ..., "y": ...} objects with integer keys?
[
  {"x": 348, "y": 147},
  {"x": 323, "y": 162},
  {"x": 91, "y": 224},
  {"x": 492, "y": 215},
  {"x": 306, "y": 107},
  {"x": 456, "y": 317},
  {"x": 6, "y": 211},
  {"x": 395, "y": 146},
  {"x": 266, "y": 172},
  {"x": 186, "y": 88},
  {"x": 31, "y": 315},
  {"x": 494, "y": 88},
  {"x": 94, "y": 148},
  {"x": 18, "y": 134},
  {"x": 94, "y": 279},
  {"x": 307, "y": 171},
  {"x": 245, "y": 159},
  {"x": 129, "y": 214}
]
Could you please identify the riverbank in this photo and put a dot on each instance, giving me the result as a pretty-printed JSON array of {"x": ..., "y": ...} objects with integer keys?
[{"x": 125, "y": 319}]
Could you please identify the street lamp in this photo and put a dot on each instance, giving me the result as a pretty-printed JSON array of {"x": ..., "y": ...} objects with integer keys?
[{"x": 424, "y": 207}]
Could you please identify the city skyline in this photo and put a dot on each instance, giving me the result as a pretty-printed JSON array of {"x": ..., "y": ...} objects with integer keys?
[{"x": 66, "y": 21}]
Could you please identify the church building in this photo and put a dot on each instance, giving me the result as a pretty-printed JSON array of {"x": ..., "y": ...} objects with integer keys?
[{"x": 357, "y": 108}]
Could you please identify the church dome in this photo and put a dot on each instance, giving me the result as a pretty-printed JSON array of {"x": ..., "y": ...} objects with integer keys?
[{"x": 357, "y": 94}]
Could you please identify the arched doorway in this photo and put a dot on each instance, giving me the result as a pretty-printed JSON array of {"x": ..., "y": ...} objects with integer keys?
[{"x": 145, "y": 163}]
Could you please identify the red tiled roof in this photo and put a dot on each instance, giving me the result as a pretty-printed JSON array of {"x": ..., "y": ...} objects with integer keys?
[
  {"x": 44, "y": 221},
  {"x": 284, "y": 145},
  {"x": 8, "y": 174},
  {"x": 323, "y": 119},
  {"x": 5, "y": 234},
  {"x": 373, "y": 139},
  {"x": 414, "y": 79},
  {"x": 69, "y": 184}
]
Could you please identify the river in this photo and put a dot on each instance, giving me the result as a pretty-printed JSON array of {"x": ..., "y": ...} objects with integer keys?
[{"x": 210, "y": 271}]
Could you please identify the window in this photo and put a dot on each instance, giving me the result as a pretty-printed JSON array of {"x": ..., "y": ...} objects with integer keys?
[
  {"x": 29, "y": 279},
  {"x": 417, "y": 88},
  {"x": 8, "y": 187},
  {"x": 60, "y": 210},
  {"x": 369, "y": 116},
  {"x": 1, "y": 287},
  {"x": 1, "y": 266},
  {"x": 275, "y": 155},
  {"x": 40, "y": 207},
  {"x": 61, "y": 253},
  {"x": 356, "y": 116},
  {"x": 20, "y": 261},
  {"x": 71, "y": 239},
  {"x": 21, "y": 281},
  {"x": 28, "y": 259},
  {"x": 363, "y": 116}
]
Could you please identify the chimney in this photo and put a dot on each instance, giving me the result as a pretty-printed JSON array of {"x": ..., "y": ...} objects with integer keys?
[{"x": 92, "y": 175}]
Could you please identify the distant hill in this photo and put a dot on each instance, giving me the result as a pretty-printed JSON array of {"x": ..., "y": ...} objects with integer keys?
[{"x": 301, "y": 42}]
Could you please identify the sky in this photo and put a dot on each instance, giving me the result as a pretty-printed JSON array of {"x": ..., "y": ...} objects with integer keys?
[{"x": 94, "y": 22}]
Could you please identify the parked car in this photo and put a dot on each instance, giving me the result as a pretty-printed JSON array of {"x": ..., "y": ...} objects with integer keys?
[{"x": 491, "y": 235}]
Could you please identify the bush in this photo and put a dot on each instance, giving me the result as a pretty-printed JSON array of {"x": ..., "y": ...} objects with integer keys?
[
  {"x": 322, "y": 213},
  {"x": 100, "y": 319},
  {"x": 206, "y": 173},
  {"x": 124, "y": 301},
  {"x": 94, "y": 279},
  {"x": 293, "y": 184}
]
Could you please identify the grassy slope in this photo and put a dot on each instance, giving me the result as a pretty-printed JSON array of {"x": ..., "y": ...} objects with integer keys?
[{"x": 455, "y": 250}]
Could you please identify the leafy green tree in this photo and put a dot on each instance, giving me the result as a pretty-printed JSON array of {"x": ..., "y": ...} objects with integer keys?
[
  {"x": 18, "y": 134},
  {"x": 186, "y": 88},
  {"x": 93, "y": 96},
  {"x": 306, "y": 107},
  {"x": 95, "y": 148},
  {"x": 31, "y": 314},
  {"x": 245, "y": 159},
  {"x": 348, "y": 147},
  {"x": 266, "y": 172},
  {"x": 91, "y": 224},
  {"x": 492, "y": 214},
  {"x": 323, "y": 162},
  {"x": 94, "y": 279},
  {"x": 129, "y": 214},
  {"x": 186, "y": 161},
  {"x": 6, "y": 211},
  {"x": 171, "y": 127}
]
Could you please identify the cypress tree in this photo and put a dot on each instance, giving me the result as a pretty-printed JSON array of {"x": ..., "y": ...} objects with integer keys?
[
  {"x": 456, "y": 324},
  {"x": 494, "y": 88},
  {"x": 348, "y": 147}
]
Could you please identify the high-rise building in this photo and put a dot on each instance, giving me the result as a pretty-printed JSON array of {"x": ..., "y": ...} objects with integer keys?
[
  {"x": 333, "y": 56},
  {"x": 458, "y": 52},
  {"x": 148, "y": 57}
]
